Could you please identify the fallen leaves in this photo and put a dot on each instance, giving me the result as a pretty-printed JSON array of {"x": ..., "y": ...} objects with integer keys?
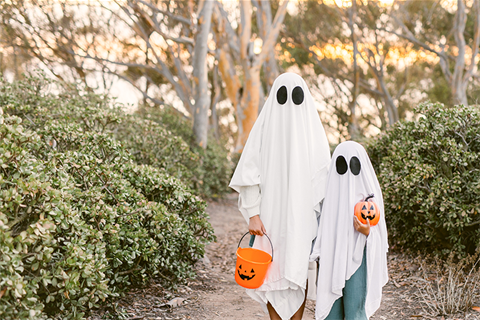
[
  {"x": 175, "y": 302},
  {"x": 3, "y": 292}
]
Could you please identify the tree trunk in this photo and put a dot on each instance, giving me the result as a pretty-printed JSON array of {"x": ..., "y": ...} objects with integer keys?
[
  {"x": 459, "y": 79},
  {"x": 248, "y": 111},
  {"x": 270, "y": 67},
  {"x": 261, "y": 99},
  {"x": 459, "y": 89},
  {"x": 200, "y": 76},
  {"x": 392, "y": 110},
  {"x": 236, "y": 50},
  {"x": 353, "y": 129},
  {"x": 215, "y": 97}
]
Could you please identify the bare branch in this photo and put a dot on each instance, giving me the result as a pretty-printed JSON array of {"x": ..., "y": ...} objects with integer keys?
[
  {"x": 458, "y": 30},
  {"x": 408, "y": 35},
  {"x": 245, "y": 30},
  {"x": 169, "y": 14},
  {"x": 272, "y": 34},
  {"x": 403, "y": 86},
  {"x": 182, "y": 82},
  {"x": 476, "y": 42},
  {"x": 156, "y": 27},
  {"x": 142, "y": 92},
  {"x": 232, "y": 38}
]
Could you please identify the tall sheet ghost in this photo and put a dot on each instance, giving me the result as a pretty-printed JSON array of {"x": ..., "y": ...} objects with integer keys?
[
  {"x": 338, "y": 246},
  {"x": 287, "y": 155}
]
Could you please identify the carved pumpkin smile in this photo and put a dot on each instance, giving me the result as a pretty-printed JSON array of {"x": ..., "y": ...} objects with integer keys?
[
  {"x": 245, "y": 276},
  {"x": 368, "y": 213}
]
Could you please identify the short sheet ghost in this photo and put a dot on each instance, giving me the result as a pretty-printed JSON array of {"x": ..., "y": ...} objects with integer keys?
[
  {"x": 338, "y": 246},
  {"x": 287, "y": 155}
]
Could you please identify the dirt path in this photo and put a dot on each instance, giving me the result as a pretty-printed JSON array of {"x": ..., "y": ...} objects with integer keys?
[
  {"x": 215, "y": 295},
  {"x": 224, "y": 299}
]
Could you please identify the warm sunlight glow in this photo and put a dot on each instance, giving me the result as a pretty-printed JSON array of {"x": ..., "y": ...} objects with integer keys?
[
  {"x": 80, "y": 2},
  {"x": 348, "y": 3},
  {"x": 450, "y": 5},
  {"x": 330, "y": 51},
  {"x": 400, "y": 55},
  {"x": 257, "y": 45},
  {"x": 386, "y": 3}
]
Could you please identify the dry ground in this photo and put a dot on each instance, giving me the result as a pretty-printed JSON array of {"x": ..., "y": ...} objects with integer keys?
[{"x": 215, "y": 294}]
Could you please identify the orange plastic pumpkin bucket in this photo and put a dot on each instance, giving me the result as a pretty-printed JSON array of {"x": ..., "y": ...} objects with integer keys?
[
  {"x": 367, "y": 209},
  {"x": 252, "y": 265}
]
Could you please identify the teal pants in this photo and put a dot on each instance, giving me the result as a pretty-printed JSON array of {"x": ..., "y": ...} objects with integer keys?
[{"x": 351, "y": 306}]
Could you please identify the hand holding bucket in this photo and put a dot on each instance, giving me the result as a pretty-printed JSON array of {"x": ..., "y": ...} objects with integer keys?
[{"x": 252, "y": 265}]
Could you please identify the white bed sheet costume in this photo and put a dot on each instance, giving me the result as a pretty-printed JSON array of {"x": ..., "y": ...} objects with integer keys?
[
  {"x": 338, "y": 246},
  {"x": 287, "y": 155}
]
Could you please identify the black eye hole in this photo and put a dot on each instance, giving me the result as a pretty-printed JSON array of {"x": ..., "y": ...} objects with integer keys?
[
  {"x": 355, "y": 166},
  {"x": 341, "y": 165},
  {"x": 297, "y": 95},
  {"x": 282, "y": 95},
  {"x": 371, "y": 207}
]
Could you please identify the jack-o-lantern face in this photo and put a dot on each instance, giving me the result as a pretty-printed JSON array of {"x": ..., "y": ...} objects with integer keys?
[
  {"x": 244, "y": 274},
  {"x": 367, "y": 210}
]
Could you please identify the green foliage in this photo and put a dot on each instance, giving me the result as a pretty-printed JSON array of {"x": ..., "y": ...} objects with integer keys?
[
  {"x": 148, "y": 142},
  {"x": 151, "y": 144},
  {"x": 212, "y": 176},
  {"x": 52, "y": 258},
  {"x": 440, "y": 90},
  {"x": 81, "y": 220},
  {"x": 429, "y": 172}
]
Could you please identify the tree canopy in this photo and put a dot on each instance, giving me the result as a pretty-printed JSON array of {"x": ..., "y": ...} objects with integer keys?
[{"x": 367, "y": 62}]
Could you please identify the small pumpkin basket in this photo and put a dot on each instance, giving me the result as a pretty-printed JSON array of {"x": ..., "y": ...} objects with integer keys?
[
  {"x": 252, "y": 265},
  {"x": 367, "y": 209}
]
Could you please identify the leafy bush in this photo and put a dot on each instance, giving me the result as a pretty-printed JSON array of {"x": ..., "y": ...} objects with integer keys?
[
  {"x": 429, "y": 171},
  {"x": 160, "y": 138},
  {"x": 151, "y": 144},
  {"x": 51, "y": 258},
  {"x": 80, "y": 219},
  {"x": 212, "y": 176},
  {"x": 148, "y": 142}
]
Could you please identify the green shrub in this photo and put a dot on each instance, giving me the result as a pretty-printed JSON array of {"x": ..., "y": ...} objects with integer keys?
[
  {"x": 124, "y": 201},
  {"x": 429, "y": 171},
  {"x": 213, "y": 171},
  {"x": 180, "y": 246},
  {"x": 151, "y": 144},
  {"x": 81, "y": 220},
  {"x": 148, "y": 142},
  {"x": 160, "y": 138},
  {"x": 51, "y": 258}
]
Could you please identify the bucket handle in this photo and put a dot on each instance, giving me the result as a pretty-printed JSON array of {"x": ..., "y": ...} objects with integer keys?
[{"x": 263, "y": 234}]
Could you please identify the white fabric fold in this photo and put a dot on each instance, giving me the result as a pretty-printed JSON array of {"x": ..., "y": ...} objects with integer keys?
[
  {"x": 338, "y": 246},
  {"x": 287, "y": 155},
  {"x": 252, "y": 198}
]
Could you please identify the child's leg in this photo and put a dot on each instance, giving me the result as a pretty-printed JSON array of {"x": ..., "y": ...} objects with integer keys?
[
  {"x": 336, "y": 313},
  {"x": 299, "y": 314},
  {"x": 355, "y": 292},
  {"x": 272, "y": 313}
]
